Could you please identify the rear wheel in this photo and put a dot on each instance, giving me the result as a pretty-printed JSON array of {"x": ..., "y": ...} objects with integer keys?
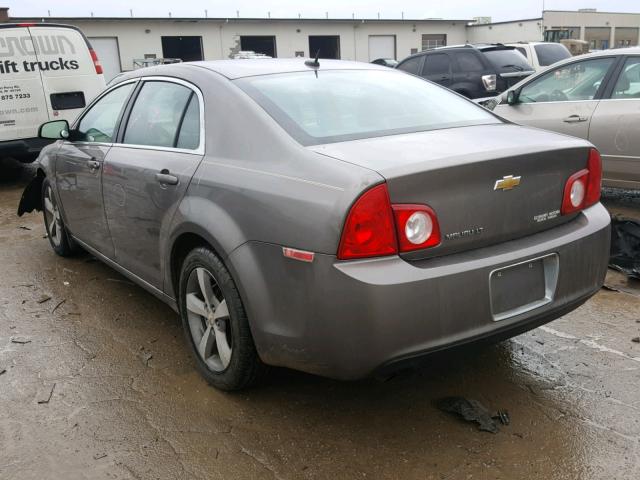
[
  {"x": 56, "y": 231},
  {"x": 215, "y": 323}
]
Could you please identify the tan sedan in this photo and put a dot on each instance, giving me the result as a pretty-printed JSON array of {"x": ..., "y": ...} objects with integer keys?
[{"x": 595, "y": 97}]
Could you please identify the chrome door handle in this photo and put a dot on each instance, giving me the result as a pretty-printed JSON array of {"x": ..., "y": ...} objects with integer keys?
[
  {"x": 93, "y": 165},
  {"x": 165, "y": 178},
  {"x": 575, "y": 119}
]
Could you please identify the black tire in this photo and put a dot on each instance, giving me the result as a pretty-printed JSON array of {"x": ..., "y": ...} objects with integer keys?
[
  {"x": 59, "y": 240},
  {"x": 245, "y": 367}
]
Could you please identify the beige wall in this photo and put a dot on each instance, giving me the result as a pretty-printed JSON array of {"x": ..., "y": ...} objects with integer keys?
[
  {"x": 507, "y": 32},
  {"x": 594, "y": 25},
  {"x": 220, "y": 37}
]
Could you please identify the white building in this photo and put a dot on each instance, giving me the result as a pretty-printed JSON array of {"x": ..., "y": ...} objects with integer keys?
[{"x": 120, "y": 41}]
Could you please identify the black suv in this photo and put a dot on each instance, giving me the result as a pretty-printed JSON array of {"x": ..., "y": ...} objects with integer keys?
[{"x": 474, "y": 71}]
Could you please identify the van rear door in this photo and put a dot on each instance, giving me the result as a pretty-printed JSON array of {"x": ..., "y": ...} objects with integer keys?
[
  {"x": 22, "y": 100},
  {"x": 69, "y": 76}
]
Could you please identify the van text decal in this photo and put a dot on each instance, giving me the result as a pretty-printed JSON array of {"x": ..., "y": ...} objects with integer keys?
[
  {"x": 11, "y": 66},
  {"x": 35, "y": 45}
]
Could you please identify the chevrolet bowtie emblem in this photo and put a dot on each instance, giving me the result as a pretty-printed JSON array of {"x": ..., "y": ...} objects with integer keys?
[{"x": 507, "y": 183}]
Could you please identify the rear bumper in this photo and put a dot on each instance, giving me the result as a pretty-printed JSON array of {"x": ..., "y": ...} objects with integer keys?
[
  {"x": 348, "y": 319},
  {"x": 24, "y": 147}
]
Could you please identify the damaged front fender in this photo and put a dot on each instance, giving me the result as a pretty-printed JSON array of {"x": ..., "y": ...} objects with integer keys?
[{"x": 32, "y": 196}]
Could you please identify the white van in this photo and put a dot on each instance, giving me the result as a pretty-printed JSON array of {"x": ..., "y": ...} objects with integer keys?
[
  {"x": 47, "y": 72},
  {"x": 541, "y": 54}
]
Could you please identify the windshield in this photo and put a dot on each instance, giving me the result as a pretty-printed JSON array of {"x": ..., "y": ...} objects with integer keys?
[
  {"x": 507, "y": 60},
  {"x": 551, "y": 53},
  {"x": 340, "y": 105}
]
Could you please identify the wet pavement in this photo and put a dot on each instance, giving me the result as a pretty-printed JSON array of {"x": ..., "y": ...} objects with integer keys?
[{"x": 100, "y": 385}]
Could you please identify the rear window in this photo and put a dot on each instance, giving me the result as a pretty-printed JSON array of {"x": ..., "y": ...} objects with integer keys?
[
  {"x": 340, "y": 105},
  {"x": 507, "y": 60},
  {"x": 550, "y": 53}
]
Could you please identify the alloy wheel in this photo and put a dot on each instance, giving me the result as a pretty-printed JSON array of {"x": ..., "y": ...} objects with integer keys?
[
  {"x": 52, "y": 217},
  {"x": 208, "y": 316}
]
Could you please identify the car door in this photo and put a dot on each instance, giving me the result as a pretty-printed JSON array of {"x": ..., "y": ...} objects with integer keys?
[
  {"x": 437, "y": 68},
  {"x": 79, "y": 168},
  {"x": 562, "y": 99},
  {"x": 615, "y": 128},
  {"x": 149, "y": 169}
]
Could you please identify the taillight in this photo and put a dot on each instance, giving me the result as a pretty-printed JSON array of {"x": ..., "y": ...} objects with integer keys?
[
  {"x": 489, "y": 82},
  {"x": 369, "y": 230},
  {"x": 417, "y": 227},
  {"x": 583, "y": 187},
  {"x": 96, "y": 62},
  {"x": 375, "y": 228},
  {"x": 594, "y": 184}
]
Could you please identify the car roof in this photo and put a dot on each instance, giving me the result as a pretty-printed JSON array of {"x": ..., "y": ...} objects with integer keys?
[
  {"x": 233, "y": 69},
  {"x": 531, "y": 43},
  {"x": 601, "y": 53},
  {"x": 469, "y": 46}
]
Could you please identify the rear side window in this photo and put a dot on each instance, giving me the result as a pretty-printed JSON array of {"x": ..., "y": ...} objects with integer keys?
[
  {"x": 507, "y": 60},
  {"x": 550, "y": 53},
  {"x": 99, "y": 123},
  {"x": 189, "y": 136},
  {"x": 437, "y": 64},
  {"x": 157, "y": 114},
  {"x": 577, "y": 81},
  {"x": 468, "y": 62},
  {"x": 411, "y": 66},
  {"x": 523, "y": 52}
]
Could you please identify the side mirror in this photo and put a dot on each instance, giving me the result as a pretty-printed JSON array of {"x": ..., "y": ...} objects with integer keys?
[
  {"x": 513, "y": 97},
  {"x": 56, "y": 130}
]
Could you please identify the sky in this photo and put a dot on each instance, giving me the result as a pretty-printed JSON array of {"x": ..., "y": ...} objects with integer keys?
[{"x": 499, "y": 10}]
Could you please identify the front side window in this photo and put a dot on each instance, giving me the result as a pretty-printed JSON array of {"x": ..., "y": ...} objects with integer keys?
[
  {"x": 341, "y": 105},
  {"x": 573, "y": 82},
  {"x": 628, "y": 84},
  {"x": 157, "y": 114},
  {"x": 99, "y": 123}
]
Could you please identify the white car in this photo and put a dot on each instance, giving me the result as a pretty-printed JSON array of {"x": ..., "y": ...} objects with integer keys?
[
  {"x": 541, "y": 54},
  {"x": 594, "y": 96},
  {"x": 47, "y": 72}
]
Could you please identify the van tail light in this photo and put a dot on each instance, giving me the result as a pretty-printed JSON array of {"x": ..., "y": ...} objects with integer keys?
[
  {"x": 96, "y": 61},
  {"x": 583, "y": 187},
  {"x": 376, "y": 228},
  {"x": 489, "y": 82},
  {"x": 416, "y": 226}
]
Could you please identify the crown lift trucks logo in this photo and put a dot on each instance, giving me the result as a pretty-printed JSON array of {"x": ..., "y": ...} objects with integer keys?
[{"x": 34, "y": 46}]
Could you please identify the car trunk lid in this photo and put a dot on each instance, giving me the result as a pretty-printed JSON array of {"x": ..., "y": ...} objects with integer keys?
[{"x": 488, "y": 184}]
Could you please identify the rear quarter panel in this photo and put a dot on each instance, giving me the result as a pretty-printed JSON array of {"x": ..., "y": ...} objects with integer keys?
[{"x": 255, "y": 183}]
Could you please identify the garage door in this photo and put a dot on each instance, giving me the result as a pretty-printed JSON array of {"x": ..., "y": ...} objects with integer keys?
[
  {"x": 109, "y": 55},
  {"x": 382, "y": 46}
]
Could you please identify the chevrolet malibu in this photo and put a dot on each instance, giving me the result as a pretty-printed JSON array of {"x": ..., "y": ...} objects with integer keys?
[{"x": 333, "y": 217}]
